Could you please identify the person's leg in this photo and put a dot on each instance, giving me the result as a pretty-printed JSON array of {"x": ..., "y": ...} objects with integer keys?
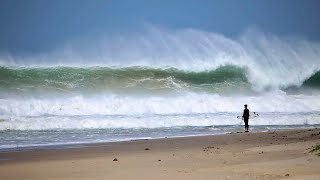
[{"x": 246, "y": 125}]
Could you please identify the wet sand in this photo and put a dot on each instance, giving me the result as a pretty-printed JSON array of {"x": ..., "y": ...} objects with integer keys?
[{"x": 268, "y": 155}]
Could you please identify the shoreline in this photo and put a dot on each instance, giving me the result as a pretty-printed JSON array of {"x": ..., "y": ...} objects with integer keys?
[
  {"x": 259, "y": 155},
  {"x": 71, "y": 145}
]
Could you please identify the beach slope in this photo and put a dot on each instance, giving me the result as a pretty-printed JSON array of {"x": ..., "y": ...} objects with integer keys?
[{"x": 267, "y": 155}]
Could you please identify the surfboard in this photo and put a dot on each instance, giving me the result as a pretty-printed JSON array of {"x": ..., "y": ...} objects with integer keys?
[{"x": 253, "y": 115}]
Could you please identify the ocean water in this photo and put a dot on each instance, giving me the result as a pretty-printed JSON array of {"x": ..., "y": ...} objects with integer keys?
[{"x": 161, "y": 83}]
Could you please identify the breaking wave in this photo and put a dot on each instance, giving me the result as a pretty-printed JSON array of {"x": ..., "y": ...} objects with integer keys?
[
  {"x": 269, "y": 61},
  {"x": 122, "y": 80}
]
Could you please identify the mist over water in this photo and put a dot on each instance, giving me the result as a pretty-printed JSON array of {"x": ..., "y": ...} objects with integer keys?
[
  {"x": 271, "y": 62},
  {"x": 162, "y": 80}
]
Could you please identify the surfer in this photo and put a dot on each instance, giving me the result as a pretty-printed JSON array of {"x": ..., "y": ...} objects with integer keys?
[{"x": 245, "y": 117}]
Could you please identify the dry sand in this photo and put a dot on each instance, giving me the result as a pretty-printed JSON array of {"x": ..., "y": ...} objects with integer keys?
[{"x": 269, "y": 155}]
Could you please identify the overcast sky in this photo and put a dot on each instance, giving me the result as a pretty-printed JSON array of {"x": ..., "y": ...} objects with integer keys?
[{"x": 43, "y": 25}]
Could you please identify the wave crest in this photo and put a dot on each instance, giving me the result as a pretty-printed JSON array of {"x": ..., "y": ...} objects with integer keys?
[{"x": 272, "y": 62}]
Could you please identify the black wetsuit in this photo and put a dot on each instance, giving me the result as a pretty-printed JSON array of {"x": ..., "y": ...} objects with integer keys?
[{"x": 245, "y": 116}]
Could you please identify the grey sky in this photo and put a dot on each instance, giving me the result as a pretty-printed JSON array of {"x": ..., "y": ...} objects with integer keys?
[{"x": 43, "y": 25}]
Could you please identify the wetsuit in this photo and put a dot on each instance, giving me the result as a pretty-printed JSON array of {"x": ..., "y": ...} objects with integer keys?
[{"x": 245, "y": 117}]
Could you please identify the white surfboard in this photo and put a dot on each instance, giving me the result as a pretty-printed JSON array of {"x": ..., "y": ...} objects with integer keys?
[{"x": 253, "y": 115}]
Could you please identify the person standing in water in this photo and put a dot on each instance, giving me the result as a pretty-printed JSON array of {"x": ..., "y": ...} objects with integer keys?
[{"x": 245, "y": 117}]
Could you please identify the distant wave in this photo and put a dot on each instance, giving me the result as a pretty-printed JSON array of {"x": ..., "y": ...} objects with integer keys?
[
  {"x": 161, "y": 72},
  {"x": 158, "y": 78},
  {"x": 270, "y": 62},
  {"x": 104, "y": 80},
  {"x": 133, "y": 80},
  {"x": 90, "y": 91}
]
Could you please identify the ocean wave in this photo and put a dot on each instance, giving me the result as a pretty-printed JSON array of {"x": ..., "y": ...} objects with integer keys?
[
  {"x": 131, "y": 80},
  {"x": 152, "y": 121},
  {"x": 313, "y": 81},
  {"x": 182, "y": 104},
  {"x": 271, "y": 62}
]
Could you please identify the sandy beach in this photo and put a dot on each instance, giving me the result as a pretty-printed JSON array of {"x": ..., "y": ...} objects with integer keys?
[{"x": 267, "y": 155}]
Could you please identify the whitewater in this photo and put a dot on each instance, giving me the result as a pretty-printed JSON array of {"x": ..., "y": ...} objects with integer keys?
[{"x": 156, "y": 84}]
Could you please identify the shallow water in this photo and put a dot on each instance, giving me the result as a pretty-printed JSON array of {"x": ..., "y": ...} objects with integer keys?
[{"x": 162, "y": 126}]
